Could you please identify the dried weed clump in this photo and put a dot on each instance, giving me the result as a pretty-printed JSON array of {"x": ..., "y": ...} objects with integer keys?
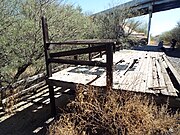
[
  {"x": 114, "y": 113},
  {"x": 9, "y": 103}
]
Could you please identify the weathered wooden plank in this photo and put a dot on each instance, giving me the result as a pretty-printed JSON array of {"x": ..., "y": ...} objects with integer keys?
[
  {"x": 129, "y": 80},
  {"x": 175, "y": 73},
  {"x": 130, "y": 63},
  {"x": 143, "y": 68},
  {"x": 160, "y": 75},
  {"x": 146, "y": 73},
  {"x": 121, "y": 63},
  {"x": 155, "y": 73},
  {"x": 150, "y": 77},
  {"x": 127, "y": 76},
  {"x": 79, "y": 51},
  {"x": 109, "y": 66},
  {"x": 171, "y": 91},
  {"x": 101, "y": 81},
  {"x": 87, "y": 41},
  {"x": 78, "y": 62},
  {"x": 134, "y": 77},
  {"x": 59, "y": 83},
  {"x": 81, "y": 78},
  {"x": 118, "y": 74}
]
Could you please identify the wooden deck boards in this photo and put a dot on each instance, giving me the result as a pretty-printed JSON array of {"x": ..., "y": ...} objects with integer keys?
[
  {"x": 138, "y": 71},
  {"x": 72, "y": 74}
]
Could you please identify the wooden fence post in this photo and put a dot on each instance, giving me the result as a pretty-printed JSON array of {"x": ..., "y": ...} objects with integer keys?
[
  {"x": 48, "y": 64},
  {"x": 90, "y": 55},
  {"x": 109, "y": 66},
  {"x": 1, "y": 92}
]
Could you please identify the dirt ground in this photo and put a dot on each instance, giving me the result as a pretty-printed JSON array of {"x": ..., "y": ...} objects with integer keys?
[
  {"x": 26, "y": 122},
  {"x": 33, "y": 120}
]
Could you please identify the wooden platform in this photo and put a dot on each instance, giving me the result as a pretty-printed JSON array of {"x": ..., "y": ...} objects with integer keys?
[{"x": 138, "y": 71}]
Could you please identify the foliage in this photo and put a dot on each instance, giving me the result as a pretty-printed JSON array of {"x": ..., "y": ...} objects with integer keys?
[
  {"x": 114, "y": 113},
  {"x": 116, "y": 24},
  {"x": 142, "y": 28},
  {"x": 6, "y": 20},
  {"x": 172, "y": 34}
]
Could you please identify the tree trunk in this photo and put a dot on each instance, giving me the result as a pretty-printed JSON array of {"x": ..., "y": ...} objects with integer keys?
[{"x": 21, "y": 70}]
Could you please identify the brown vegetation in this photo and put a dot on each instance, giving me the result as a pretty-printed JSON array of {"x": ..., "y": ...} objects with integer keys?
[{"x": 115, "y": 112}]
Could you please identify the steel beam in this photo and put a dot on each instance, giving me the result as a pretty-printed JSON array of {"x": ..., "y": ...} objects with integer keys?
[{"x": 143, "y": 6}]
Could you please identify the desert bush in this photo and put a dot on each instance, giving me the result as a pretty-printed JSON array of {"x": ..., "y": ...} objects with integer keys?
[
  {"x": 172, "y": 34},
  {"x": 116, "y": 24},
  {"x": 94, "y": 113}
]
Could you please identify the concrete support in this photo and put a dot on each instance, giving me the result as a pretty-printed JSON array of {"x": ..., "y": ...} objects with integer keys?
[{"x": 149, "y": 24}]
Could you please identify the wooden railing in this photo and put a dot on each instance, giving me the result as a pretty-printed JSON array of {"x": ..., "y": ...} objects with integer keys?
[{"x": 93, "y": 45}]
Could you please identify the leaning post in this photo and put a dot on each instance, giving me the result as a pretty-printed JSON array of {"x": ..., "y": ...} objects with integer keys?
[{"x": 48, "y": 64}]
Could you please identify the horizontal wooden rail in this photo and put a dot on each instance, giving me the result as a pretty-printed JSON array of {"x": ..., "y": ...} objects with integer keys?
[
  {"x": 79, "y": 51},
  {"x": 78, "y": 62},
  {"x": 87, "y": 41}
]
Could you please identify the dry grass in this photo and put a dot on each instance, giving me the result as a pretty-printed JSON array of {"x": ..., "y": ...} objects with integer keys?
[
  {"x": 11, "y": 100},
  {"x": 116, "y": 113}
]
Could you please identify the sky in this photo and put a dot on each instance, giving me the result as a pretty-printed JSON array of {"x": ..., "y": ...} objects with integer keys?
[{"x": 161, "y": 21}]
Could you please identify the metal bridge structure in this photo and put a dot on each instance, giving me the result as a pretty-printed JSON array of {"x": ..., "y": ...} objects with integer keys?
[{"x": 144, "y": 7}]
